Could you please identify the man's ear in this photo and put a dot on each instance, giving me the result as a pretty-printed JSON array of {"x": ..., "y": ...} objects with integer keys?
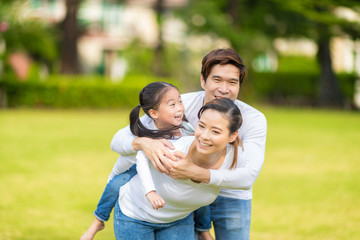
[
  {"x": 153, "y": 114},
  {"x": 202, "y": 81},
  {"x": 233, "y": 136}
]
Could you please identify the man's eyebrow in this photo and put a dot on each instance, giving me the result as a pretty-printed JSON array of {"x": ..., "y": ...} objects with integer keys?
[{"x": 217, "y": 76}]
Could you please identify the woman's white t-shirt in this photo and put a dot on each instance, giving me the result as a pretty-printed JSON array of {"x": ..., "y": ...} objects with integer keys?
[{"x": 181, "y": 196}]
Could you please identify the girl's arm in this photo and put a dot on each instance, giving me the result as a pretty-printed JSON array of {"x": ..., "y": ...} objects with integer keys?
[{"x": 143, "y": 169}]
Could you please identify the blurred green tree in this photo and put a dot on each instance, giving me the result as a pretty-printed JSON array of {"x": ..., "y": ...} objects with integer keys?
[
  {"x": 26, "y": 34},
  {"x": 250, "y": 26}
]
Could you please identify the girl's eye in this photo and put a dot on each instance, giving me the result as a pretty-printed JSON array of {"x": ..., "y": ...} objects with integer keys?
[
  {"x": 216, "y": 132},
  {"x": 201, "y": 126}
]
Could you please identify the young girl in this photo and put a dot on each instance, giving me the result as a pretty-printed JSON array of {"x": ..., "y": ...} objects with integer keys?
[
  {"x": 162, "y": 103},
  {"x": 214, "y": 146}
]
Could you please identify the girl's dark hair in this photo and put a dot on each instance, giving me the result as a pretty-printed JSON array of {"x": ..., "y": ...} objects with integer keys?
[
  {"x": 149, "y": 98},
  {"x": 232, "y": 113},
  {"x": 223, "y": 56}
]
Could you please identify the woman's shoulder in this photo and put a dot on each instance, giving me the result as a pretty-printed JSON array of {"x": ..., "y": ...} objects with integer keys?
[{"x": 183, "y": 143}]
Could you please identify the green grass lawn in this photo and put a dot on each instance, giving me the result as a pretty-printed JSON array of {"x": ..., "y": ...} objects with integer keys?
[{"x": 54, "y": 166}]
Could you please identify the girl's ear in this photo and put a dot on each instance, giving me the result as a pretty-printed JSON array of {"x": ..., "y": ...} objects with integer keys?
[
  {"x": 233, "y": 136},
  {"x": 153, "y": 114}
]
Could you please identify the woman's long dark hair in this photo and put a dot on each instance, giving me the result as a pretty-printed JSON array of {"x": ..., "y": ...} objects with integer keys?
[
  {"x": 232, "y": 113},
  {"x": 149, "y": 98}
]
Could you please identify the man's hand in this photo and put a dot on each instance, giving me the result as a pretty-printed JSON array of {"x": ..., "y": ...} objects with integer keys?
[
  {"x": 185, "y": 168},
  {"x": 156, "y": 150}
]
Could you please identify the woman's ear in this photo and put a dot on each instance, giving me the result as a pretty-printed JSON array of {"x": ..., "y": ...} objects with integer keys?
[
  {"x": 153, "y": 114},
  {"x": 233, "y": 136}
]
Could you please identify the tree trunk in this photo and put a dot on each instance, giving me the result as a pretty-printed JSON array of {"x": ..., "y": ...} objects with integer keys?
[
  {"x": 330, "y": 94},
  {"x": 69, "y": 58},
  {"x": 158, "y": 64}
]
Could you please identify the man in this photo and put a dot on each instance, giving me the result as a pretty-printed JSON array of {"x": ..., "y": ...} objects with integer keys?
[{"x": 222, "y": 74}]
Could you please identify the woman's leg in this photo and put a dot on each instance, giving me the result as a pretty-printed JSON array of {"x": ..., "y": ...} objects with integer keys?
[
  {"x": 178, "y": 230},
  {"x": 231, "y": 218},
  {"x": 126, "y": 228},
  {"x": 203, "y": 223},
  {"x": 107, "y": 202}
]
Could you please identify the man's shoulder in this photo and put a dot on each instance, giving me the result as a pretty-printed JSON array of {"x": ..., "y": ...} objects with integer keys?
[
  {"x": 192, "y": 95},
  {"x": 248, "y": 111}
]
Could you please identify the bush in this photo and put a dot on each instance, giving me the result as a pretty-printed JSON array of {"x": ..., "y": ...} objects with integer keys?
[
  {"x": 75, "y": 92},
  {"x": 291, "y": 88}
]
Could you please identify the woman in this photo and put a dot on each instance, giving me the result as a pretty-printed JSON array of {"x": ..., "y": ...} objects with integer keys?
[{"x": 214, "y": 146}]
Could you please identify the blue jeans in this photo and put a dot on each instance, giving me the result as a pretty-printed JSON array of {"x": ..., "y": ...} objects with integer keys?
[
  {"x": 231, "y": 218},
  {"x": 128, "y": 228},
  {"x": 111, "y": 194}
]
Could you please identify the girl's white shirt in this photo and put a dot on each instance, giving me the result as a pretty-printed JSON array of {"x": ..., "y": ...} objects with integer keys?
[{"x": 181, "y": 196}]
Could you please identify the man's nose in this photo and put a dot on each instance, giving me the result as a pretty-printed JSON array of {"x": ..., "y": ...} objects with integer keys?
[{"x": 224, "y": 87}]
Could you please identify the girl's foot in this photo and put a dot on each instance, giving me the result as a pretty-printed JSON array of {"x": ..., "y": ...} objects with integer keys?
[
  {"x": 96, "y": 226},
  {"x": 205, "y": 235}
]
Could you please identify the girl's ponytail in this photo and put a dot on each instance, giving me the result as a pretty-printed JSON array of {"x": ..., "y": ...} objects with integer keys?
[{"x": 135, "y": 123}]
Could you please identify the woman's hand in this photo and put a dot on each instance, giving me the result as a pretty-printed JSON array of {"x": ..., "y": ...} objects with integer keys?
[
  {"x": 156, "y": 150},
  {"x": 155, "y": 200}
]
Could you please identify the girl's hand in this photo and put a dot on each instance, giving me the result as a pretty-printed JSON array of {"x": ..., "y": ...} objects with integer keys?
[{"x": 155, "y": 200}]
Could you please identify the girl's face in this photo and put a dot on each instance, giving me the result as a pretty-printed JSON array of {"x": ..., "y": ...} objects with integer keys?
[
  {"x": 212, "y": 132},
  {"x": 170, "y": 111}
]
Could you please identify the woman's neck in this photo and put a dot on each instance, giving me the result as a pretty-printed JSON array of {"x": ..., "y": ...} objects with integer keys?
[{"x": 208, "y": 161}]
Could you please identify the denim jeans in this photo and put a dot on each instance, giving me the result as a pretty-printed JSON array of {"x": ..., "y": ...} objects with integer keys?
[
  {"x": 202, "y": 219},
  {"x": 231, "y": 218},
  {"x": 128, "y": 228},
  {"x": 111, "y": 194}
]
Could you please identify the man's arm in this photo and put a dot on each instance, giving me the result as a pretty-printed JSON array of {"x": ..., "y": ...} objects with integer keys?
[
  {"x": 122, "y": 164},
  {"x": 239, "y": 178},
  {"x": 125, "y": 143}
]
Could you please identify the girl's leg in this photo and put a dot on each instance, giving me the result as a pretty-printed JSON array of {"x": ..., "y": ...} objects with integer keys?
[
  {"x": 107, "y": 202},
  {"x": 203, "y": 223},
  {"x": 126, "y": 228},
  {"x": 178, "y": 230},
  {"x": 111, "y": 194}
]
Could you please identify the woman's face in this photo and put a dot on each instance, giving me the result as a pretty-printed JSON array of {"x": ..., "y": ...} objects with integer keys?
[{"x": 212, "y": 132}]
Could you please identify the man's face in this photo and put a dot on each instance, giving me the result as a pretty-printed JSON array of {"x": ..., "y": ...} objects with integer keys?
[{"x": 222, "y": 82}]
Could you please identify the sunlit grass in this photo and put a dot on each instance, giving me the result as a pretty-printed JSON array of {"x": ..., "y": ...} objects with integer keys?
[{"x": 54, "y": 166}]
